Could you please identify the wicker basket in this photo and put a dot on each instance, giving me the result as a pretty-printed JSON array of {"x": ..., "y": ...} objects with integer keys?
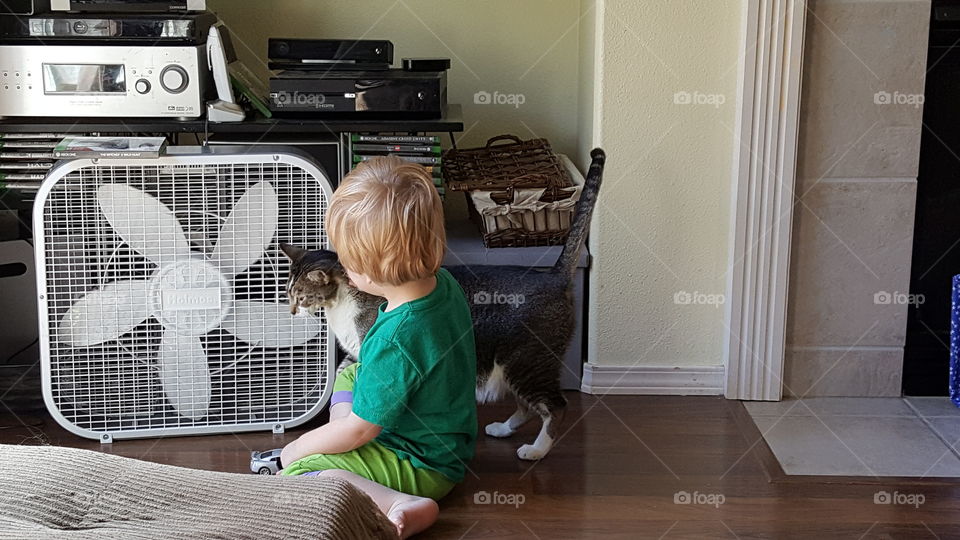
[
  {"x": 497, "y": 167},
  {"x": 520, "y": 194},
  {"x": 524, "y": 217}
]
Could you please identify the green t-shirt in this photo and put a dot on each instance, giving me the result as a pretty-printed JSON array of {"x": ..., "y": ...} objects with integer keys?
[{"x": 417, "y": 380}]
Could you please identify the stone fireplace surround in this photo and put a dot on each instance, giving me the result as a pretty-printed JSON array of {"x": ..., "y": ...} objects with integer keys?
[{"x": 855, "y": 195}]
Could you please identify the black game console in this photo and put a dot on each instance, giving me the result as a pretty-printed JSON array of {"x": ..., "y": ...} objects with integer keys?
[
  {"x": 330, "y": 54},
  {"x": 390, "y": 94}
]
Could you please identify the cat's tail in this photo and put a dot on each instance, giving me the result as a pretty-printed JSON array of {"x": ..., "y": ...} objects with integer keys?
[{"x": 567, "y": 263}]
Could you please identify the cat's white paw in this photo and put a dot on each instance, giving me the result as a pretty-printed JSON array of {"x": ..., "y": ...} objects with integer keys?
[
  {"x": 530, "y": 452},
  {"x": 499, "y": 429}
]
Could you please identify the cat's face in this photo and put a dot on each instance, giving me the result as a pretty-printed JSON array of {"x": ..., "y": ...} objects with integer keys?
[{"x": 315, "y": 278}]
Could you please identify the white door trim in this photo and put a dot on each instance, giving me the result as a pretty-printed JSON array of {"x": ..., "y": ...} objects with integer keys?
[{"x": 768, "y": 103}]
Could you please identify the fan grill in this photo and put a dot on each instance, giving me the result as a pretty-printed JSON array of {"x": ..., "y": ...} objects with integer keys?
[{"x": 192, "y": 297}]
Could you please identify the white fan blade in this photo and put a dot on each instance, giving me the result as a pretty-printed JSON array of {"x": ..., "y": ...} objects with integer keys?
[
  {"x": 144, "y": 223},
  {"x": 105, "y": 314},
  {"x": 249, "y": 228},
  {"x": 185, "y": 374},
  {"x": 270, "y": 325}
]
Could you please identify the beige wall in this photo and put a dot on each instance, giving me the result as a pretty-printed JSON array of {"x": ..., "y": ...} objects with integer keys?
[
  {"x": 608, "y": 73},
  {"x": 662, "y": 223},
  {"x": 589, "y": 83},
  {"x": 593, "y": 72},
  {"x": 527, "y": 48}
]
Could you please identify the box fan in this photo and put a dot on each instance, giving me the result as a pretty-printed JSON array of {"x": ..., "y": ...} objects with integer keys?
[{"x": 163, "y": 308}]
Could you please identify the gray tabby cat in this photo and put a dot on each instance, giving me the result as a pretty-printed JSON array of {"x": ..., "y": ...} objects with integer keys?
[{"x": 520, "y": 346}]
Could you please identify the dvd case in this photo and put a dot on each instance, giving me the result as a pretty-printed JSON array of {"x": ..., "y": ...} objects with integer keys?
[{"x": 110, "y": 147}]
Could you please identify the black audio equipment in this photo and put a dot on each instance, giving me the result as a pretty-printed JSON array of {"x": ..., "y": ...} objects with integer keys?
[
  {"x": 127, "y": 6},
  {"x": 107, "y": 29}
]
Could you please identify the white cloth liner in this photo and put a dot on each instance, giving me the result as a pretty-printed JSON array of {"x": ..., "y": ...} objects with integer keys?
[{"x": 527, "y": 211}]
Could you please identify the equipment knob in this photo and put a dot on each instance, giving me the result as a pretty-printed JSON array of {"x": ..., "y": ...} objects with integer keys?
[
  {"x": 142, "y": 86},
  {"x": 174, "y": 79}
]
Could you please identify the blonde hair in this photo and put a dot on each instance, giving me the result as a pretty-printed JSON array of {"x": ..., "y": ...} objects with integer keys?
[{"x": 386, "y": 221}]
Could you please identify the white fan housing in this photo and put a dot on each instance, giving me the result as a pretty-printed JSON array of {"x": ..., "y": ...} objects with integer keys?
[{"x": 162, "y": 293}]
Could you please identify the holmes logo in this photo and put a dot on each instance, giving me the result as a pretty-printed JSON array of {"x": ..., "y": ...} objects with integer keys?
[{"x": 189, "y": 299}]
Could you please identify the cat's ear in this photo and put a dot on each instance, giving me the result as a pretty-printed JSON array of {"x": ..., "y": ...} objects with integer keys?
[
  {"x": 293, "y": 253},
  {"x": 318, "y": 276}
]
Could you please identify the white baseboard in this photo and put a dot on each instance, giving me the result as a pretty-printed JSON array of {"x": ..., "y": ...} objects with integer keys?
[{"x": 653, "y": 380}]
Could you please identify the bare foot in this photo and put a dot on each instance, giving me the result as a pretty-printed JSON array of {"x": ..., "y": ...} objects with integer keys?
[{"x": 413, "y": 515}]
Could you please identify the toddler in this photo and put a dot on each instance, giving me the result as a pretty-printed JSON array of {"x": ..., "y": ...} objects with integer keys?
[{"x": 403, "y": 419}]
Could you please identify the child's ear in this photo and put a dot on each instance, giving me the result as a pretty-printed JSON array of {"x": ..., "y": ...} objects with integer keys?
[
  {"x": 293, "y": 253},
  {"x": 318, "y": 276}
]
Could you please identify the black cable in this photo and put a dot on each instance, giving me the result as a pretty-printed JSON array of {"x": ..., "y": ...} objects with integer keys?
[
  {"x": 21, "y": 351},
  {"x": 28, "y": 426}
]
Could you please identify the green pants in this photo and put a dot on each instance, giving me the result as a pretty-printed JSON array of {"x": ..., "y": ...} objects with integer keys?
[{"x": 373, "y": 461}]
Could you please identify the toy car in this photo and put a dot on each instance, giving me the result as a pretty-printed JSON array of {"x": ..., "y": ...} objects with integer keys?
[{"x": 266, "y": 462}]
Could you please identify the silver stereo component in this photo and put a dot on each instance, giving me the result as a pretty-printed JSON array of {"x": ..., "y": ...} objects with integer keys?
[{"x": 103, "y": 81}]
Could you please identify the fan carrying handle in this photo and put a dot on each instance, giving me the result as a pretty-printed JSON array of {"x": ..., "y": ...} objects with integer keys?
[{"x": 498, "y": 138}]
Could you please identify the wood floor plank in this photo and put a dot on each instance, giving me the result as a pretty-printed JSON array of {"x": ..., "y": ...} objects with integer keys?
[{"x": 619, "y": 471}]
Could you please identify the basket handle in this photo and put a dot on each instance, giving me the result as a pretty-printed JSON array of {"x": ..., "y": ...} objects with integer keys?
[
  {"x": 499, "y": 138},
  {"x": 509, "y": 195}
]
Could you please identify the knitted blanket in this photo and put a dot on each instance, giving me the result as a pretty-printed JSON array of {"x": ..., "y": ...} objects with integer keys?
[{"x": 54, "y": 492}]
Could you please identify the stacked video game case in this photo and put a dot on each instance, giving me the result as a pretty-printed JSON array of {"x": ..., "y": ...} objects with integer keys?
[
  {"x": 25, "y": 158},
  {"x": 422, "y": 149}
]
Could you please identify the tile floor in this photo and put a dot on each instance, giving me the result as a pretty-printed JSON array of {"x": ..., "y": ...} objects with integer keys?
[{"x": 914, "y": 436}]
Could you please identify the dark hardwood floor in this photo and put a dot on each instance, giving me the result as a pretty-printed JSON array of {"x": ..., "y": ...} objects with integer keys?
[{"x": 616, "y": 473}]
